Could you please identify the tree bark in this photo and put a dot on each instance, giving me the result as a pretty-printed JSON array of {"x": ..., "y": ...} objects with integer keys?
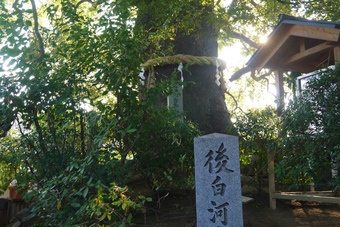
[{"x": 203, "y": 100}]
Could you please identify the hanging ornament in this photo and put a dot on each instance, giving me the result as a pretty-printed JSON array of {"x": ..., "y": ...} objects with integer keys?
[
  {"x": 180, "y": 68},
  {"x": 217, "y": 81},
  {"x": 141, "y": 75}
]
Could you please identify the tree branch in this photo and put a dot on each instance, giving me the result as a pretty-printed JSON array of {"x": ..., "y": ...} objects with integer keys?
[
  {"x": 135, "y": 140},
  {"x": 37, "y": 33},
  {"x": 82, "y": 133},
  {"x": 232, "y": 4},
  {"x": 17, "y": 9},
  {"x": 39, "y": 130},
  {"x": 6, "y": 129},
  {"x": 81, "y": 2},
  {"x": 6, "y": 126},
  {"x": 254, "y": 3},
  {"x": 52, "y": 129},
  {"x": 292, "y": 3},
  {"x": 245, "y": 47},
  {"x": 240, "y": 73},
  {"x": 235, "y": 101},
  {"x": 245, "y": 39},
  {"x": 33, "y": 148},
  {"x": 262, "y": 77},
  {"x": 247, "y": 69},
  {"x": 218, "y": 3}
]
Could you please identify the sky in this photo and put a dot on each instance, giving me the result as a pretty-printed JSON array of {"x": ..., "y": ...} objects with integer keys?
[{"x": 234, "y": 59}]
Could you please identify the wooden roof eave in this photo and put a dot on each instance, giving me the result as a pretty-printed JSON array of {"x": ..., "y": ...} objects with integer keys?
[{"x": 327, "y": 32}]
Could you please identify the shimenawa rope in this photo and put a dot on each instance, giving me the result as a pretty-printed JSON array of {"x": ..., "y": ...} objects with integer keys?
[{"x": 177, "y": 59}]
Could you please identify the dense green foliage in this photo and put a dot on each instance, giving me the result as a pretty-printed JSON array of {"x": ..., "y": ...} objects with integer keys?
[
  {"x": 164, "y": 153},
  {"x": 258, "y": 130},
  {"x": 72, "y": 87},
  {"x": 9, "y": 163},
  {"x": 311, "y": 134},
  {"x": 82, "y": 121}
]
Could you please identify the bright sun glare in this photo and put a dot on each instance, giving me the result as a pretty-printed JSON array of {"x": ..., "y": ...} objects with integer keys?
[
  {"x": 235, "y": 60},
  {"x": 263, "y": 39}
]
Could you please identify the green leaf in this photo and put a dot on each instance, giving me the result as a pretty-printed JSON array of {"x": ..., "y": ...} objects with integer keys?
[
  {"x": 129, "y": 218},
  {"x": 85, "y": 192},
  {"x": 75, "y": 205},
  {"x": 103, "y": 217},
  {"x": 29, "y": 11},
  {"x": 28, "y": 23},
  {"x": 131, "y": 130}
]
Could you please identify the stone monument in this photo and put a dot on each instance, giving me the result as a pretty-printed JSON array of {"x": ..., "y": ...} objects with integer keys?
[{"x": 218, "y": 181}]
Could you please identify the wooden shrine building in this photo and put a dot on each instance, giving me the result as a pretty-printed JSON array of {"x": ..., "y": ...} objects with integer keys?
[{"x": 297, "y": 45}]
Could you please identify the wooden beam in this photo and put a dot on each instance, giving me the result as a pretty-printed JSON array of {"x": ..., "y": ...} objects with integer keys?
[
  {"x": 313, "y": 198},
  {"x": 314, "y": 32},
  {"x": 278, "y": 39},
  {"x": 303, "y": 67},
  {"x": 273, "y": 47},
  {"x": 303, "y": 54},
  {"x": 279, "y": 91},
  {"x": 337, "y": 54},
  {"x": 302, "y": 45},
  {"x": 271, "y": 179}
]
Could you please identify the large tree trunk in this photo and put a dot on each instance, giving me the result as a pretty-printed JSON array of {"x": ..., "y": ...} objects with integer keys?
[{"x": 203, "y": 100}]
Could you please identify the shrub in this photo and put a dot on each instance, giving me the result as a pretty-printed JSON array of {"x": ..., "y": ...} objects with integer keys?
[
  {"x": 258, "y": 130},
  {"x": 311, "y": 133},
  {"x": 165, "y": 152}
]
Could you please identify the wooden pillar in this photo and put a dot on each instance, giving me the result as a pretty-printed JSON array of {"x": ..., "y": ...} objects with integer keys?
[
  {"x": 280, "y": 110},
  {"x": 279, "y": 92},
  {"x": 337, "y": 54},
  {"x": 271, "y": 179},
  {"x": 337, "y": 61}
]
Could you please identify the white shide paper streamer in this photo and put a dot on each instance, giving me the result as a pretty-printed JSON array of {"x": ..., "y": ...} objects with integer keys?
[
  {"x": 217, "y": 81},
  {"x": 141, "y": 75},
  {"x": 180, "y": 67}
]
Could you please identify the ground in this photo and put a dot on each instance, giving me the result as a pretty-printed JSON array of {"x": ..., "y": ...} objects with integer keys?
[{"x": 179, "y": 211}]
